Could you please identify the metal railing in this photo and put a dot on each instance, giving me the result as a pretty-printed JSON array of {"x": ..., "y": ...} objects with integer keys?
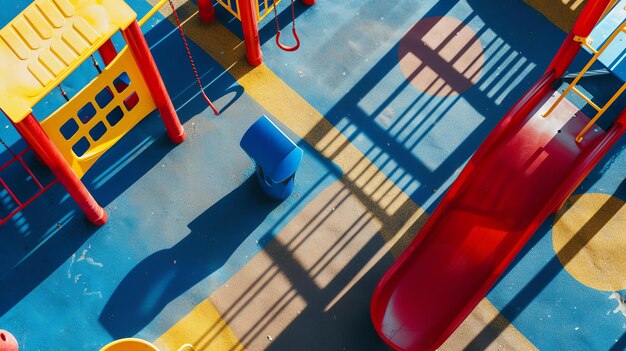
[
  {"x": 262, "y": 10},
  {"x": 587, "y": 43}
]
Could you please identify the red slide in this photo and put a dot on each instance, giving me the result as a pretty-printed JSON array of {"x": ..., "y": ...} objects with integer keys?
[{"x": 524, "y": 171}]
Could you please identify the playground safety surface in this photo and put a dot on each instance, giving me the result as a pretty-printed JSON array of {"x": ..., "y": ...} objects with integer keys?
[{"x": 388, "y": 101}]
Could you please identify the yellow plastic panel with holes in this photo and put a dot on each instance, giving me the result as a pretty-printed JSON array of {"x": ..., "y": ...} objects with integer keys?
[
  {"x": 47, "y": 41},
  {"x": 101, "y": 114}
]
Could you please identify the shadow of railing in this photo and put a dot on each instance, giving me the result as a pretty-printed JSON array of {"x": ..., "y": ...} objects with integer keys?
[{"x": 506, "y": 73}]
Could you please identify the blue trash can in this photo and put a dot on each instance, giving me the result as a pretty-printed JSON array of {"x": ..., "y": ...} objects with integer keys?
[{"x": 276, "y": 157}]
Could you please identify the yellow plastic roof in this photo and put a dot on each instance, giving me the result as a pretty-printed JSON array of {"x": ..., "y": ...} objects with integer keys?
[{"x": 47, "y": 41}]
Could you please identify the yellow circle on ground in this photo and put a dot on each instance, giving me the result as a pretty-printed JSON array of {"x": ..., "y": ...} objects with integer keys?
[{"x": 589, "y": 237}]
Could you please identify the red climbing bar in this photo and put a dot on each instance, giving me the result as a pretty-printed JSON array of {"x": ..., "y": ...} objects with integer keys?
[
  {"x": 108, "y": 52},
  {"x": 206, "y": 11},
  {"x": 21, "y": 205},
  {"x": 308, "y": 2},
  {"x": 141, "y": 52},
  {"x": 35, "y": 136},
  {"x": 250, "y": 31}
]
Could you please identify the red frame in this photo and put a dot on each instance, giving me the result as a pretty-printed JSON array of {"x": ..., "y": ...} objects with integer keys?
[
  {"x": 30, "y": 129},
  {"x": 248, "y": 24},
  {"x": 21, "y": 205}
]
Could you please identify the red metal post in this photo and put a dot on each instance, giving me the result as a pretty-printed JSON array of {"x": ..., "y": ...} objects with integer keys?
[
  {"x": 308, "y": 2},
  {"x": 35, "y": 136},
  {"x": 107, "y": 51},
  {"x": 141, "y": 52},
  {"x": 206, "y": 11},
  {"x": 250, "y": 31}
]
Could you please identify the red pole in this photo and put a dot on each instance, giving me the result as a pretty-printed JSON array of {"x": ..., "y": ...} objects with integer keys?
[
  {"x": 583, "y": 26},
  {"x": 250, "y": 31},
  {"x": 308, "y": 2},
  {"x": 35, "y": 136},
  {"x": 107, "y": 51},
  {"x": 141, "y": 52},
  {"x": 206, "y": 11}
]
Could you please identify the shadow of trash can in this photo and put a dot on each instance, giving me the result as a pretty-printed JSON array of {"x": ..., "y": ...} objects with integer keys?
[{"x": 276, "y": 157}]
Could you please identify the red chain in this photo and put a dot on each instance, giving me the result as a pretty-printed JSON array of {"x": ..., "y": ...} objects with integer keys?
[
  {"x": 293, "y": 16},
  {"x": 193, "y": 65}
]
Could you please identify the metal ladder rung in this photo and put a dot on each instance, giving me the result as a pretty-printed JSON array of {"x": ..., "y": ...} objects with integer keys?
[
  {"x": 572, "y": 87},
  {"x": 19, "y": 158},
  {"x": 591, "y": 48},
  {"x": 619, "y": 92},
  {"x": 587, "y": 100},
  {"x": 586, "y": 42}
]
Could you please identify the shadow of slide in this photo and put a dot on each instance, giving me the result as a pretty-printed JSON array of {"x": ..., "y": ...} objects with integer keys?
[{"x": 166, "y": 274}]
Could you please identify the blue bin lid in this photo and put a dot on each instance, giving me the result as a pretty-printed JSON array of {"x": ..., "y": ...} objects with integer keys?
[{"x": 271, "y": 149}]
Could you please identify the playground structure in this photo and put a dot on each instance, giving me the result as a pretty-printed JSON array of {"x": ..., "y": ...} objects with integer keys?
[
  {"x": 250, "y": 13},
  {"x": 524, "y": 170},
  {"x": 45, "y": 44}
]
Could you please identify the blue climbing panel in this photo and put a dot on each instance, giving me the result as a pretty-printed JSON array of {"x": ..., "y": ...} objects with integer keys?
[{"x": 614, "y": 57}]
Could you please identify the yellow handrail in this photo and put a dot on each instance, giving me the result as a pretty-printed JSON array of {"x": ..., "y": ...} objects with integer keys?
[
  {"x": 587, "y": 99},
  {"x": 572, "y": 87},
  {"x": 260, "y": 15},
  {"x": 619, "y": 92},
  {"x": 266, "y": 9},
  {"x": 228, "y": 6}
]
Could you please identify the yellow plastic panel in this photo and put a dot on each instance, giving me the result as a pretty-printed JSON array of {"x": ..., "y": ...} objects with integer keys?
[
  {"x": 81, "y": 138},
  {"x": 40, "y": 73},
  {"x": 15, "y": 43},
  {"x": 75, "y": 41},
  {"x": 39, "y": 23},
  {"x": 51, "y": 12},
  {"x": 27, "y": 32},
  {"x": 85, "y": 30},
  {"x": 66, "y": 7},
  {"x": 51, "y": 61},
  {"x": 47, "y": 42},
  {"x": 63, "y": 52}
]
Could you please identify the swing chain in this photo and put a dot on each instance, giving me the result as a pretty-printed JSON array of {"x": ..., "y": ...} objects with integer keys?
[
  {"x": 95, "y": 64},
  {"x": 293, "y": 28},
  {"x": 191, "y": 61},
  {"x": 8, "y": 149},
  {"x": 63, "y": 93}
]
